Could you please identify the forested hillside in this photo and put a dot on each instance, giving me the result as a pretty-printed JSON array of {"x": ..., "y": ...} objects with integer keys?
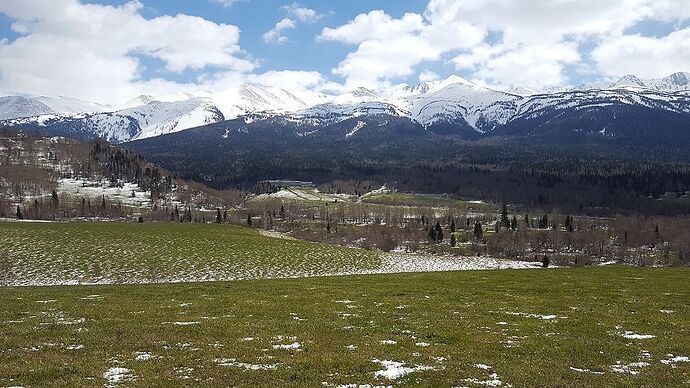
[{"x": 58, "y": 178}]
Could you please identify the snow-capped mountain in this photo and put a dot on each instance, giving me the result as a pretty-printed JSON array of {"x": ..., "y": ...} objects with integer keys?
[
  {"x": 673, "y": 83},
  {"x": 17, "y": 106},
  {"x": 454, "y": 106},
  {"x": 152, "y": 119}
]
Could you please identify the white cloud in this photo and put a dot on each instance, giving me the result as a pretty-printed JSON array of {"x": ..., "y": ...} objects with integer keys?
[
  {"x": 510, "y": 42},
  {"x": 301, "y": 13},
  {"x": 89, "y": 51},
  {"x": 375, "y": 25},
  {"x": 226, "y": 3},
  {"x": 295, "y": 13},
  {"x": 275, "y": 34},
  {"x": 426, "y": 76},
  {"x": 646, "y": 57},
  {"x": 391, "y": 48}
]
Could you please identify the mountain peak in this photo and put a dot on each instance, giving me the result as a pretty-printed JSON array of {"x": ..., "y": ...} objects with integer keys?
[
  {"x": 679, "y": 78},
  {"x": 629, "y": 80}
]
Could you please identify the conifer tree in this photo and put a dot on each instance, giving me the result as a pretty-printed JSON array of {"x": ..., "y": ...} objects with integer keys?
[
  {"x": 569, "y": 224},
  {"x": 505, "y": 222},
  {"x": 439, "y": 232},
  {"x": 478, "y": 232},
  {"x": 432, "y": 235}
]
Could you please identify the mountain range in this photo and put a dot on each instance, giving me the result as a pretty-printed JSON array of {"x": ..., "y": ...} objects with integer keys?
[{"x": 453, "y": 107}]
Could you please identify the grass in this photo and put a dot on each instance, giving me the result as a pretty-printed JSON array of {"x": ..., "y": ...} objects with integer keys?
[
  {"x": 93, "y": 252},
  {"x": 467, "y": 318}
]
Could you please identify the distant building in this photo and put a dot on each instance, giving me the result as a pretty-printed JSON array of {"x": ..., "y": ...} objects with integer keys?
[{"x": 272, "y": 186}]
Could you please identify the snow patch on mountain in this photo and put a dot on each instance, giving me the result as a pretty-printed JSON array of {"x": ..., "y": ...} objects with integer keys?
[{"x": 454, "y": 101}]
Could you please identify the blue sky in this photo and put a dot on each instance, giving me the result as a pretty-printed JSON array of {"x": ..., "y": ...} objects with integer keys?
[
  {"x": 254, "y": 18},
  {"x": 111, "y": 49}
]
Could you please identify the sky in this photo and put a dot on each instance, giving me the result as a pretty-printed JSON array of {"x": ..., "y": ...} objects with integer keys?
[{"x": 110, "y": 51}]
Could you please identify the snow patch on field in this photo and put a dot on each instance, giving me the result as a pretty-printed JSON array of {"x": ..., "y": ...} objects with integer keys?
[
  {"x": 394, "y": 369},
  {"x": 582, "y": 370},
  {"x": 632, "y": 368},
  {"x": 292, "y": 346},
  {"x": 117, "y": 375},
  {"x": 492, "y": 381},
  {"x": 143, "y": 356},
  {"x": 231, "y": 362},
  {"x": 400, "y": 263},
  {"x": 673, "y": 360},
  {"x": 632, "y": 335},
  {"x": 545, "y": 317}
]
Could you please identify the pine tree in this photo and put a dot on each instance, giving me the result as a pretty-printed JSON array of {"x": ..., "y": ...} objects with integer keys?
[
  {"x": 505, "y": 222},
  {"x": 56, "y": 201},
  {"x": 452, "y": 226},
  {"x": 545, "y": 261},
  {"x": 478, "y": 232},
  {"x": 219, "y": 217},
  {"x": 513, "y": 223},
  {"x": 527, "y": 220},
  {"x": 439, "y": 232},
  {"x": 249, "y": 219},
  {"x": 569, "y": 224},
  {"x": 544, "y": 222},
  {"x": 282, "y": 212},
  {"x": 432, "y": 235},
  {"x": 452, "y": 240},
  {"x": 225, "y": 216},
  {"x": 657, "y": 233},
  {"x": 328, "y": 228},
  {"x": 20, "y": 216}
]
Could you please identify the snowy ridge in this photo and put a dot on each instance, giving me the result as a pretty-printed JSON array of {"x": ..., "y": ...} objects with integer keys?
[
  {"x": 454, "y": 101},
  {"x": 17, "y": 106},
  {"x": 153, "y": 119}
]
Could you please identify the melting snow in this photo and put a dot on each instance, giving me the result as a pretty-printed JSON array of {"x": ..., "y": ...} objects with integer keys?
[
  {"x": 294, "y": 345},
  {"x": 394, "y": 370},
  {"x": 585, "y": 371},
  {"x": 357, "y": 127},
  {"x": 672, "y": 360},
  {"x": 633, "y": 368},
  {"x": 234, "y": 363},
  {"x": 632, "y": 335},
  {"x": 143, "y": 356},
  {"x": 117, "y": 375}
]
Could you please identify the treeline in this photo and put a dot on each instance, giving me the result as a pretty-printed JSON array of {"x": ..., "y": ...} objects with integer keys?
[
  {"x": 563, "y": 239},
  {"x": 591, "y": 180}
]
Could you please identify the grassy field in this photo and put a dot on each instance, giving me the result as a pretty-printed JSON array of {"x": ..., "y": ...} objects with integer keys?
[
  {"x": 607, "y": 326},
  {"x": 90, "y": 252}
]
